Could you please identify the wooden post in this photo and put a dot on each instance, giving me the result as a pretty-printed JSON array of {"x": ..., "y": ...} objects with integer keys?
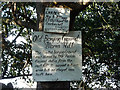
[
  {"x": 53, "y": 85},
  {"x": 47, "y": 85}
]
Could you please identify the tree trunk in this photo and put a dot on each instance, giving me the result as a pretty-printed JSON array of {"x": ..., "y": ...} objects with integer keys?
[
  {"x": 40, "y": 8},
  {"x": 53, "y": 85},
  {"x": 58, "y": 85}
]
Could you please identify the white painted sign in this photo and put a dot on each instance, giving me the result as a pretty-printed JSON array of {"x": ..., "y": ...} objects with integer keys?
[
  {"x": 57, "y": 20},
  {"x": 57, "y": 57}
]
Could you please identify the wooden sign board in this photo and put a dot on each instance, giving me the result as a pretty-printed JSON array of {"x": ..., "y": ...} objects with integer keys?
[
  {"x": 57, "y": 20},
  {"x": 57, "y": 57}
]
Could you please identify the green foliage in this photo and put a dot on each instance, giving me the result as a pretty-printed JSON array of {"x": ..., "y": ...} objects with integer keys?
[
  {"x": 100, "y": 25},
  {"x": 16, "y": 57}
]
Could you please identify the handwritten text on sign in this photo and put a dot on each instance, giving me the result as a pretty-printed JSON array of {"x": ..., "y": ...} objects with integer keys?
[
  {"x": 56, "y": 20},
  {"x": 57, "y": 57}
]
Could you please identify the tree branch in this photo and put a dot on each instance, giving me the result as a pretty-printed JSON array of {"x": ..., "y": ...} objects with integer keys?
[
  {"x": 16, "y": 76},
  {"x": 26, "y": 24},
  {"x": 17, "y": 36}
]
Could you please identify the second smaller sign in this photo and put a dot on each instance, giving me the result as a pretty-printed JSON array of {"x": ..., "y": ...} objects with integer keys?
[{"x": 57, "y": 20}]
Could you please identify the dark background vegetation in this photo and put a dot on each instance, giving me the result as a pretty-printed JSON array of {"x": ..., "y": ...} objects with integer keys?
[{"x": 99, "y": 23}]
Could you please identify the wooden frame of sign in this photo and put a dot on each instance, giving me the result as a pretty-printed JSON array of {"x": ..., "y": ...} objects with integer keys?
[{"x": 56, "y": 20}]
